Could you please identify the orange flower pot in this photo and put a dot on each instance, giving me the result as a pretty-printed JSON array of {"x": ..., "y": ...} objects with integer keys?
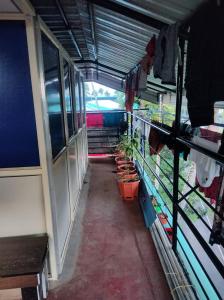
[
  {"x": 129, "y": 167},
  {"x": 120, "y": 186},
  {"x": 128, "y": 176},
  {"x": 127, "y": 172},
  {"x": 163, "y": 218},
  {"x": 122, "y": 161},
  {"x": 129, "y": 190}
]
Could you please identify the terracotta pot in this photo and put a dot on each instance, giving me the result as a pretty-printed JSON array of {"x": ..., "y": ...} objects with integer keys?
[
  {"x": 163, "y": 218},
  {"x": 129, "y": 190},
  {"x": 122, "y": 161},
  {"x": 129, "y": 176},
  {"x": 129, "y": 166},
  {"x": 127, "y": 172}
]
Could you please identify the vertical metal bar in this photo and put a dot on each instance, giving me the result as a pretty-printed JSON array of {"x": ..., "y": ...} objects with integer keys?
[
  {"x": 131, "y": 124},
  {"x": 144, "y": 139},
  {"x": 176, "y": 149}
]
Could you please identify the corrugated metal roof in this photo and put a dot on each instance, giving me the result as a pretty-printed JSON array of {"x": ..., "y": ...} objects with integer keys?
[
  {"x": 167, "y": 11},
  {"x": 110, "y": 34}
]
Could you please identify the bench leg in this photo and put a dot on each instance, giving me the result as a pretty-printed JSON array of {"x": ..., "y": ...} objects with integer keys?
[{"x": 30, "y": 293}]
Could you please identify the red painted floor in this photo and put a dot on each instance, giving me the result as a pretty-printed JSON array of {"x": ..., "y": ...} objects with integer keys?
[{"x": 117, "y": 259}]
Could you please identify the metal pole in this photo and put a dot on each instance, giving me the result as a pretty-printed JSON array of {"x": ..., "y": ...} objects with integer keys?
[
  {"x": 131, "y": 123},
  {"x": 176, "y": 148}
]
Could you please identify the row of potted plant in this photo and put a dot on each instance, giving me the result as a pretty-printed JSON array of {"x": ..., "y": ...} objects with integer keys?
[{"x": 127, "y": 176}]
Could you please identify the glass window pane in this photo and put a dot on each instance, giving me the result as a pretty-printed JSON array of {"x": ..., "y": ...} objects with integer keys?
[
  {"x": 78, "y": 101},
  {"x": 68, "y": 99},
  {"x": 53, "y": 95},
  {"x": 82, "y": 101}
]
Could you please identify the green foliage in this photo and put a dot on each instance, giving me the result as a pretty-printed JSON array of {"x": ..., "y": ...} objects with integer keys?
[
  {"x": 127, "y": 145},
  {"x": 120, "y": 98}
]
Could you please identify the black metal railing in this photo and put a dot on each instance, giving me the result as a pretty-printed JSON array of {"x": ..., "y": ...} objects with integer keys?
[{"x": 172, "y": 190}]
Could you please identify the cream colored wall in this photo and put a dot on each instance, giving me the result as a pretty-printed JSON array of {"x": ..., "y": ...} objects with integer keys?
[{"x": 21, "y": 206}]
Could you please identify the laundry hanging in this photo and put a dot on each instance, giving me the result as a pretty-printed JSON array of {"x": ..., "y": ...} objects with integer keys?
[
  {"x": 130, "y": 91},
  {"x": 136, "y": 80},
  {"x": 206, "y": 168},
  {"x": 217, "y": 234},
  {"x": 157, "y": 139},
  {"x": 205, "y": 63},
  {"x": 145, "y": 65},
  {"x": 210, "y": 192},
  {"x": 166, "y": 54}
]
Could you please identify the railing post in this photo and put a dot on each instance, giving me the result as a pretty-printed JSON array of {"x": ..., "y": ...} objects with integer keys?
[
  {"x": 176, "y": 148},
  {"x": 131, "y": 123}
]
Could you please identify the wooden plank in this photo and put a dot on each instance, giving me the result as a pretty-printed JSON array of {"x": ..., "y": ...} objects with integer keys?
[
  {"x": 18, "y": 282},
  {"x": 22, "y": 255}
]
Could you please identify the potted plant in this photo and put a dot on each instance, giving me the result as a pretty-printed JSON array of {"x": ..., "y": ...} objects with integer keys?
[
  {"x": 120, "y": 149},
  {"x": 129, "y": 187},
  {"x": 123, "y": 173},
  {"x": 126, "y": 167},
  {"x": 125, "y": 148},
  {"x": 121, "y": 160},
  {"x": 128, "y": 180},
  {"x": 163, "y": 218}
]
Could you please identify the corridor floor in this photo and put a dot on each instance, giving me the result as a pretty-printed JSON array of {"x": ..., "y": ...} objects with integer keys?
[{"x": 116, "y": 257}]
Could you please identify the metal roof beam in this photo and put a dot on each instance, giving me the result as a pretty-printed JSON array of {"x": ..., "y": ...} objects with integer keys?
[
  {"x": 93, "y": 31},
  {"x": 68, "y": 27},
  {"x": 162, "y": 87},
  {"x": 103, "y": 71},
  {"x": 100, "y": 65},
  {"x": 130, "y": 13}
]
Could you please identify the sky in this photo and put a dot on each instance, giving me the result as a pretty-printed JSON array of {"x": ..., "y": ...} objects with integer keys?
[{"x": 97, "y": 86}]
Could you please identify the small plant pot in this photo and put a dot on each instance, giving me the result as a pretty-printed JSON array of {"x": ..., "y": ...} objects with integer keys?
[
  {"x": 122, "y": 161},
  {"x": 127, "y": 172},
  {"x": 163, "y": 218},
  {"x": 133, "y": 176},
  {"x": 127, "y": 176},
  {"x": 126, "y": 167},
  {"x": 128, "y": 189}
]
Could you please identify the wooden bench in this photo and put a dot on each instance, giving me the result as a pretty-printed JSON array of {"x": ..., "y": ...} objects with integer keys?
[{"x": 22, "y": 265}]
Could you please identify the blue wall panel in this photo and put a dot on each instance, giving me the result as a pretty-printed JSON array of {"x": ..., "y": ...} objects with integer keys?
[{"x": 18, "y": 137}]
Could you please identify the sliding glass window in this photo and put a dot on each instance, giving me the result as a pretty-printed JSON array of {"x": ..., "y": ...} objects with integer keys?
[
  {"x": 68, "y": 99},
  {"x": 78, "y": 101},
  {"x": 54, "y": 95},
  {"x": 82, "y": 96}
]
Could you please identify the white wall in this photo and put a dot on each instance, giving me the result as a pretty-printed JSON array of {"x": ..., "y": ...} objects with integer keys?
[{"x": 21, "y": 206}]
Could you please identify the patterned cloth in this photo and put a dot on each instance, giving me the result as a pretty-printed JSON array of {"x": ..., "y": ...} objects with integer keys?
[
  {"x": 217, "y": 234},
  {"x": 136, "y": 80},
  {"x": 210, "y": 192}
]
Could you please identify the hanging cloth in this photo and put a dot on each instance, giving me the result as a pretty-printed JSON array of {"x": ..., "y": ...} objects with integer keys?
[
  {"x": 217, "y": 234},
  {"x": 166, "y": 54},
  {"x": 146, "y": 64},
  {"x": 157, "y": 139},
  {"x": 206, "y": 168},
  {"x": 130, "y": 91},
  {"x": 210, "y": 192},
  {"x": 205, "y": 63}
]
